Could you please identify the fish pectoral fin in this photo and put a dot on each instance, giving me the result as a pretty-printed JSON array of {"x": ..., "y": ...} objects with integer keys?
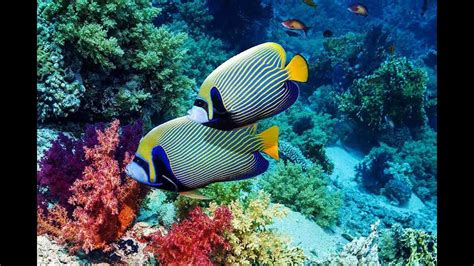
[
  {"x": 298, "y": 69},
  {"x": 194, "y": 194},
  {"x": 270, "y": 142}
]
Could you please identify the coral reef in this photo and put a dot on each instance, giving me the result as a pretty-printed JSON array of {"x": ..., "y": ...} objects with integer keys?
[
  {"x": 156, "y": 210},
  {"x": 94, "y": 202},
  {"x": 407, "y": 246},
  {"x": 381, "y": 175},
  {"x": 59, "y": 88},
  {"x": 48, "y": 252},
  {"x": 219, "y": 193},
  {"x": 349, "y": 57},
  {"x": 398, "y": 171},
  {"x": 303, "y": 191},
  {"x": 361, "y": 251},
  {"x": 250, "y": 242},
  {"x": 307, "y": 130},
  {"x": 105, "y": 205},
  {"x": 193, "y": 241},
  {"x": 398, "y": 188},
  {"x": 392, "y": 96},
  {"x": 44, "y": 139},
  {"x": 421, "y": 155},
  {"x": 60, "y": 166},
  {"x": 65, "y": 160},
  {"x": 371, "y": 171},
  {"x": 361, "y": 209},
  {"x": 100, "y": 39},
  {"x": 53, "y": 223},
  {"x": 203, "y": 51},
  {"x": 372, "y": 89}
]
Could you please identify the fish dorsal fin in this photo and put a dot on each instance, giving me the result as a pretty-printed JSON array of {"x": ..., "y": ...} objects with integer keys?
[
  {"x": 270, "y": 142},
  {"x": 194, "y": 194},
  {"x": 298, "y": 69}
]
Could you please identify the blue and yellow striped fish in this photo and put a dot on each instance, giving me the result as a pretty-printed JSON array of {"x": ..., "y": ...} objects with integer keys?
[
  {"x": 182, "y": 155},
  {"x": 250, "y": 86}
]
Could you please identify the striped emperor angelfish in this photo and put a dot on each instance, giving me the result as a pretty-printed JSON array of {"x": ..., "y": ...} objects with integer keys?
[
  {"x": 250, "y": 86},
  {"x": 182, "y": 155}
]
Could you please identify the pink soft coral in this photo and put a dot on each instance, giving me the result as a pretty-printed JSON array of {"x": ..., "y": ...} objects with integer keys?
[
  {"x": 105, "y": 205},
  {"x": 192, "y": 241}
]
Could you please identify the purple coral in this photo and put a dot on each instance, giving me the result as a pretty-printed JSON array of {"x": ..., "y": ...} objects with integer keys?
[
  {"x": 65, "y": 161},
  {"x": 61, "y": 165},
  {"x": 128, "y": 140}
]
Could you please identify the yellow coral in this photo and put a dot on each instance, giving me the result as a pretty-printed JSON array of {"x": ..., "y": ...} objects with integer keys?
[{"x": 251, "y": 242}]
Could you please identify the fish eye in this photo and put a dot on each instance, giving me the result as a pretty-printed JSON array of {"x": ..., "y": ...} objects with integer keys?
[{"x": 199, "y": 103}]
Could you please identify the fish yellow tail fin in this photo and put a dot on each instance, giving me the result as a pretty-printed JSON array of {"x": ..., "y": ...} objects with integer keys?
[
  {"x": 270, "y": 142},
  {"x": 298, "y": 68}
]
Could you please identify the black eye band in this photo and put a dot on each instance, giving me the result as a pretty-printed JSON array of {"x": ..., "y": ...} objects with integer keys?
[
  {"x": 200, "y": 103},
  {"x": 143, "y": 164}
]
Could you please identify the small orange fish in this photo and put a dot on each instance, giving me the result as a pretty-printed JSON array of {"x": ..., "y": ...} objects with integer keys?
[
  {"x": 294, "y": 24},
  {"x": 358, "y": 9}
]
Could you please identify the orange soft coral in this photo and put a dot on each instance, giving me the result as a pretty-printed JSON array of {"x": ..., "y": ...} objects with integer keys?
[
  {"x": 53, "y": 223},
  {"x": 105, "y": 205}
]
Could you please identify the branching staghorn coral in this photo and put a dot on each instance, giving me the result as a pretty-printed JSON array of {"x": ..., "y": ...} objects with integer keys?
[{"x": 250, "y": 242}]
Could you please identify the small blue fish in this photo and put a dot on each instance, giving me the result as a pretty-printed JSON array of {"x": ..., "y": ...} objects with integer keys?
[
  {"x": 250, "y": 86},
  {"x": 182, "y": 155}
]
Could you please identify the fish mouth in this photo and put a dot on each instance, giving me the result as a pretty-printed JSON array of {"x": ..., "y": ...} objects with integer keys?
[
  {"x": 127, "y": 170},
  {"x": 198, "y": 115}
]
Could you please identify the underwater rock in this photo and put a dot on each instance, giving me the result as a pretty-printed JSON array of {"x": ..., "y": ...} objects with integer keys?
[
  {"x": 48, "y": 252},
  {"x": 131, "y": 249},
  {"x": 360, "y": 251},
  {"x": 361, "y": 209}
]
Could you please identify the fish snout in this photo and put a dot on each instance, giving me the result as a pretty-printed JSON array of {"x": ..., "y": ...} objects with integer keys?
[
  {"x": 198, "y": 115},
  {"x": 136, "y": 172}
]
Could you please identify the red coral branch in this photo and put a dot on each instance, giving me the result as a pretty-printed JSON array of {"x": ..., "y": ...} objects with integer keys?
[{"x": 193, "y": 241}]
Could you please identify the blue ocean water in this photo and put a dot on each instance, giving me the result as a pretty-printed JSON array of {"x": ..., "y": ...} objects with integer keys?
[{"x": 356, "y": 179}]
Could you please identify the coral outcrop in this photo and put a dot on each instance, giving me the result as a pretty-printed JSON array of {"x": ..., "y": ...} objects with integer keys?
[
  {"x": 305, "y": 191},
  {"x": 250, "y": 241},
  {"x": 193, "y": 241}
]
